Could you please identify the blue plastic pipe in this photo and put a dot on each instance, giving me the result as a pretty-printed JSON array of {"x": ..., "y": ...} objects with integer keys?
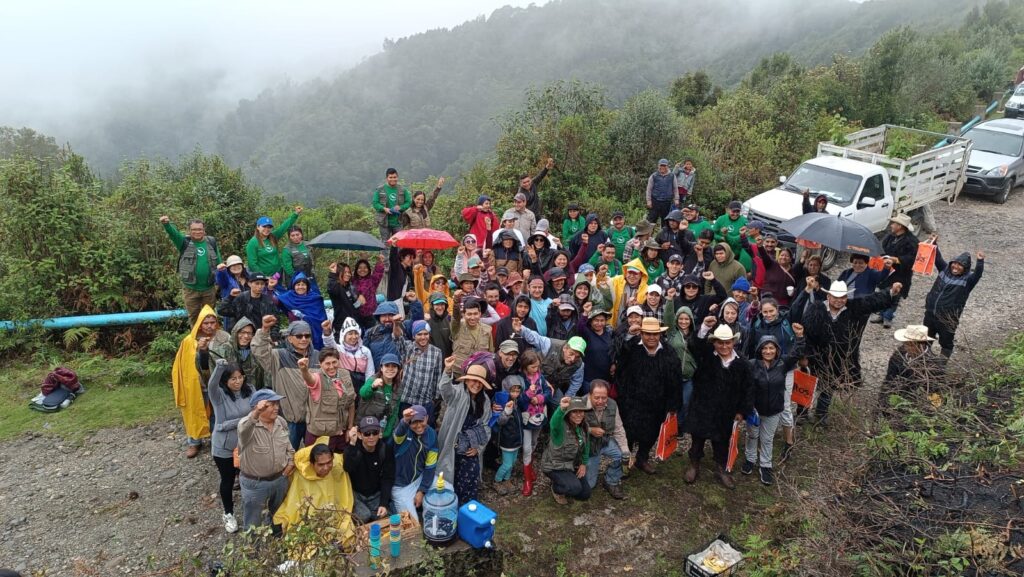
[{"x": 109, "y": 320}]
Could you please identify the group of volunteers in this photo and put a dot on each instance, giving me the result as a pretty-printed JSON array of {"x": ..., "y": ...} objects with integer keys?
[{"x": 545, "y": 349}]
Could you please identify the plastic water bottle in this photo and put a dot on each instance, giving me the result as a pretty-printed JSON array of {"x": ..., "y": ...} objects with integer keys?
[{"x": 395, "y": 536}]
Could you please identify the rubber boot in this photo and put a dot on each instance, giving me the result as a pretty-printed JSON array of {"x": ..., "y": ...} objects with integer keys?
[
  {"x": 691, "y": 473},
  {"x": 725, "y": 478},
  {"x": 528, "y": 478}
]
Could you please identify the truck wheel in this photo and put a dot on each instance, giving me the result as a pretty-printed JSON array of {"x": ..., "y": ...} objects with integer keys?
[
  {"x": 1004, "y": 194},
  {"x": 829, "y": 257}
]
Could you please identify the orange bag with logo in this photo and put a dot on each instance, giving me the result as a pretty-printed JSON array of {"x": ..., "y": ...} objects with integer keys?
[
  {"x": 924, "y": 263},
  {"x": 803, "y": 388},
  {"x": 668, "y": 438},
  {"x": 734, "y": 446}
]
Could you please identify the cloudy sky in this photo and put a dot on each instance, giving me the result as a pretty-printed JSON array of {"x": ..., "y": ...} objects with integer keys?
[{"x": 63, "y": 57}]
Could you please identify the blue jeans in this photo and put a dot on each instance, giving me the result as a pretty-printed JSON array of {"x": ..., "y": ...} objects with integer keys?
[
  {"x": 508, "y": 460},
  {"x": 890, "y": 313},
  {"x": 687, "y": 395},
  {"x": 296, "y": 434},
  {"x": 612, "y": 475}
]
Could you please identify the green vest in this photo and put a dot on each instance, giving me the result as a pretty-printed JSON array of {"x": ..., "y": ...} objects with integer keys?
[
  {"x": 606, "y": 422},
  {"x": 569, "y": 455}
]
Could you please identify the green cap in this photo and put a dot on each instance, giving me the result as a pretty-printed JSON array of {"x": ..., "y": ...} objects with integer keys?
[{"x": 578, "y": 344}]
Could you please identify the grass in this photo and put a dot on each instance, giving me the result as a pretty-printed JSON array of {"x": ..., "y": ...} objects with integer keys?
[{"x": 120, "y": 392}]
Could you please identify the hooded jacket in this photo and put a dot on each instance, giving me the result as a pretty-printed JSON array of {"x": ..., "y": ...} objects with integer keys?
[
  {"x": 188, "y": 390},
  {"x": 308, "y": 307},
  {"x": 254, "y": 309},
  {"x": 769, "y": 383},
  {"x": 232, "y": 353},
  {"x": 593, "y": 239},
  {"x": 728, "y": 271},
  {"x": 544, "y": 256},
  {"x": 948, "y": 295},
  {"x": 425, "y": 293},
  {"x": 618, "y": 290},
  {"x": 678, "y": 341},
  {"x": 779, "y": 329},
  {"x": 307, "y": 491},
  {"x": 503, "y": 330},
  {"x": 481, "y": 224},
  {"x": 700, "y": 305},
  {"x": 510, "y": 258}
]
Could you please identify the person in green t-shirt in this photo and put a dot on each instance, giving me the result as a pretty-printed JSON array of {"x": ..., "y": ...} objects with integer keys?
[
  {"x": 573, "y": 223},
  {"x": 727, "y": 227},
  {"x": 389, "y": 202},
  {"x": 261, "y": 252},
  {"x": 619, "y": 234},
  {"x": 197, "y": 265}
]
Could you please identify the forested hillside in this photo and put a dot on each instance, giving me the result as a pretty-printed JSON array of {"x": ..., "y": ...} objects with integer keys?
[{"x": 426, "y": 104}]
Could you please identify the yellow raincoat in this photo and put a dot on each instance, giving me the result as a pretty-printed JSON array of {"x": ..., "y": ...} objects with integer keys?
[
  {"x": 423, "y": 292},
  {"x": 188, "y": 391},
  {"x": 306, "y": 489}
]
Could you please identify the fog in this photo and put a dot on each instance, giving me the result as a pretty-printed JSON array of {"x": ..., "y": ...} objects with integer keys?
[{"x": 90, "y": 72}]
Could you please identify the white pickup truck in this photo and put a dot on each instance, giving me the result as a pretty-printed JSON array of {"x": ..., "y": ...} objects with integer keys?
[{"x": 865, "y": 185}]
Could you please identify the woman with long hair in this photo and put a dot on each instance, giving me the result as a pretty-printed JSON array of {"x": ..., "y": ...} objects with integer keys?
[{"x": 229, "y": 395}]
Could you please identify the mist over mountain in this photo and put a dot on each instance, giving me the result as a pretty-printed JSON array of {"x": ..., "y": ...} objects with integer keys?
[{"x": 427, "y": 103}]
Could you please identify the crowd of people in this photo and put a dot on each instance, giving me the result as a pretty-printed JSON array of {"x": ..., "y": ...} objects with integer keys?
[{"x": 578, "y": 346}]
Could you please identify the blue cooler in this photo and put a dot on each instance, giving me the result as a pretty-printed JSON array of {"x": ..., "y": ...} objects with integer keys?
[{"x": 476, "y": 525}]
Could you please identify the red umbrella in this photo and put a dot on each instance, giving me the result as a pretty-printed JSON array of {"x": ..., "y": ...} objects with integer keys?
[{"x": 423, "y": 238}]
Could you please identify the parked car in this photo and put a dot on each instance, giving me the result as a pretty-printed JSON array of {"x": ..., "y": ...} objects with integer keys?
[
  {"x": 997, "y": 158},
  {"x": 1015, "y": 105}
]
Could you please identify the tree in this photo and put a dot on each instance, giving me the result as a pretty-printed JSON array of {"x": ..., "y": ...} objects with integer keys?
[{"x": 693, "y": 92}]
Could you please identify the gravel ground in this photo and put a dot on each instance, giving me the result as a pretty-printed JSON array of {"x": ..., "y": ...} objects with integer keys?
[{"x": 128, "y": 502}]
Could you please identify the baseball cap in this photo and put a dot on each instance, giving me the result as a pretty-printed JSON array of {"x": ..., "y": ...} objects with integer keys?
[
  {"x": 634, "y": 310},
  {"x": 691, "y": 206},
  {"x": 675, "y": 257},
  {"x": 519, "y": 196},
  {"x": 663, "y": 162},
  {"x": 585, "y": 268},
  {"x": 264, "y": 221},
  {"x": 573, "y": 206},
  {"x": 510, "y": 214},
  {"x": 438, "y": 299},
  {"x": 386, "y": 308},
  {"x": 566, "y": 304},
  {"x": 369, "y": 425},
  {"x": 474, "y": 261},
  {"x": 557, "y": 273},
  {"x": 735, "y": 205},
  {"x": 255, "y": 276},
  {"x": 233, "y": 260},
  {"x": 419, "y": 413},
  {"x": 390, "y": 359},
  {"x": 578, "y": 344},
  {"x": 264, "y": 395},
  {"x": 508, "y": 346},
  {"x": 501, "y": 270},
  {"x": 655, "y": 288},
  {"x": 618, "y": 214}
]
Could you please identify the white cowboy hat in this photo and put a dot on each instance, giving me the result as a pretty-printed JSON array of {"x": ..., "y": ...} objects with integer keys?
[
  {"x": 839, "y": 289},
  {"x": 724, "y": 333},
  {"x": 902, "y": 219},
  {"x": 913, "y": 334}
]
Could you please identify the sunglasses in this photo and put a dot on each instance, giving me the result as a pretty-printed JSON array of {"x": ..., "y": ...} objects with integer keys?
[
  {"x": 303, "y": 336},
  {"x": 371, "y": 434}
]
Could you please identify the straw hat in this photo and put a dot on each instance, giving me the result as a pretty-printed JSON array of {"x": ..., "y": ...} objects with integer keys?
[
  {"x": 477, "y": 373},
  {"x": 902, "y": 219},
  {"x": 724, "y": 333},
  {"x": 913, "y": 334},
  {"x": 652, "y": 325}
]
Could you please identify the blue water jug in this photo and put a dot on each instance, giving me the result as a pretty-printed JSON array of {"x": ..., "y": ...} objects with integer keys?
[
  {"x": 440, "y": 513},
  {"x": 476, "y": 525}
]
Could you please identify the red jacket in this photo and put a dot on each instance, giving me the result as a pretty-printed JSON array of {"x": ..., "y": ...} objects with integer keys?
[{"x": 481, "y": 224}]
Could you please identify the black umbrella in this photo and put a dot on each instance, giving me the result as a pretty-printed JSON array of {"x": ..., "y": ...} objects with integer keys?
[
  {"x": 834, "y": 232},
  {"x": 347, "y": 240}
]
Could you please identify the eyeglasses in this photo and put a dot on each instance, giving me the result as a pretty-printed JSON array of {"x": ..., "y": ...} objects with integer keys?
[{"x": 303, "y": 336}]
